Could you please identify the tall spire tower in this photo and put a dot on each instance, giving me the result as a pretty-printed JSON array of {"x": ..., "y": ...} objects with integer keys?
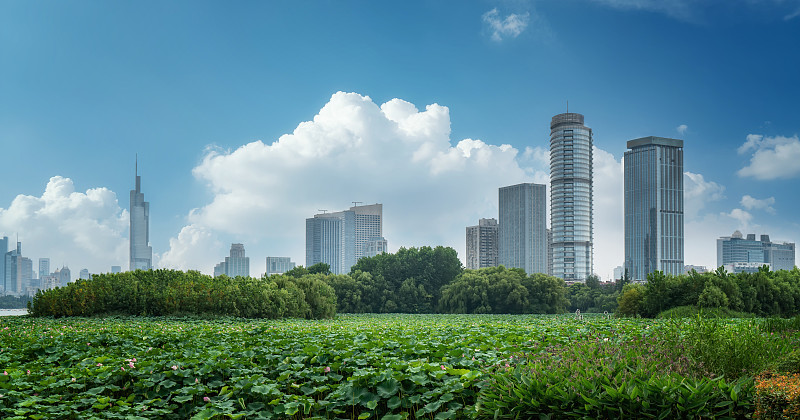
[{"x": 141, "y": 251}]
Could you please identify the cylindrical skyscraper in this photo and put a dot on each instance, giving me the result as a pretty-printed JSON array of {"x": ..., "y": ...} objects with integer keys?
[{"x": 571, "y": 196}]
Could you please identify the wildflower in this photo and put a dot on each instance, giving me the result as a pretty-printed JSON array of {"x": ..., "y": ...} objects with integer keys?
[{"x": 206, "y": 399}]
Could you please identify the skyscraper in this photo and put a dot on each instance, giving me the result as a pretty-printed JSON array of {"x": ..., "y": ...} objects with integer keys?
[
  {"x": 3, "y": 252},
  {"x": 522, "y": 229},
  {"x": 340, "y": 239},
  {"x": 44, "y": 267},
  {"x": 236, "y": 264},
  {"x": 279, "y": 265},
  {"x": 571, "y": 197},
  {"x": 12, "y": 270},
  {"x": 140, "y": 249},
  {"x": 654, "y": 207},
  {"x": 482, "y": 244}
]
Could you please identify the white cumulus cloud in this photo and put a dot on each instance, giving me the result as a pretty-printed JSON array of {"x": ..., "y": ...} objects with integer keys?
[
  {"x": 682, "y": 128},
  {"x": 352, "y": 150},
  {"x": 81, "y": 230},
  {"x": 765, "y": 204},
  {"x": 509, "y": 27},
  {"x": 609, "y": 204},
  {"x": 772, "y": 157},
  {"x": 697, "y": 192}
]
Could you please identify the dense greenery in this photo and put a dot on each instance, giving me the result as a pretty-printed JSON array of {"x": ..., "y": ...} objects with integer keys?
[
  {"x": 765, "y": 293},
  {"x": 378, "y": 366},
  {"x": 168, "y": 292},
  {"x": 502, "y": 290}
]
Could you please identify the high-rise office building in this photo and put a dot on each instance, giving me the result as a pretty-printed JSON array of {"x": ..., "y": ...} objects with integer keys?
[
  {"x": 64, "y": 276},
  {"x": 571, "y": 197},
  {"x": 12, "y": 276},
  {"x": 140, "y": 250},
  {"x": 482, "y": 244},
  {"x": 339, "y": 239},
  {"x": 375, "y": 246},
  {"x": 654, "y": 207},
  {"x": 522, "y": 231},
  {"x": 236, "y": 264},
  {"x": 739, "y": 251},
  {"x": 116, "y": 269},
  {"x": 44, "y": 267},
  {"x": 3, "y": 252},
  {"x": 84, "y": 274},
  {"x": 279, "y": 265}
]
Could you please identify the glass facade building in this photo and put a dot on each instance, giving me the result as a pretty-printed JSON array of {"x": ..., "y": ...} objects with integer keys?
[
  {"x": 654, "y": 207},
  {"x": 738, "y": 250},
  {"x": 279, "y": 265},
  {"x": 339, "y": 239},
  {"x": 141, "y": 253},
  {"x": 523, "y": 227},
  {"x": 571, "y": 197},
  {"x": 482, "y": 244}
]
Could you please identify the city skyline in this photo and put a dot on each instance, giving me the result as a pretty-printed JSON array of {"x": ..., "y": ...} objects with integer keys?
[{"x": 242, "y": 133}]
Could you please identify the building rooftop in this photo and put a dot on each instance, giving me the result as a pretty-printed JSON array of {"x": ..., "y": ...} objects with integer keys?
[{"x": 661, "y": 141}]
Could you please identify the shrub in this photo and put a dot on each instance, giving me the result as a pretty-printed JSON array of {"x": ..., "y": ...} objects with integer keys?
[
  {"x": 777, "y": 396},
  {"x": 169, "y": 292}
]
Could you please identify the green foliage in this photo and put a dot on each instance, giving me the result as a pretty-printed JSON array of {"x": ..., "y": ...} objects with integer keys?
[
  {"x": 14, "y": 302},
  {"x": 430, "y": 268},
  {"x": 694, "y": 311},
  {"x": 169, "y": 292},
  {"x": 718, "y": 347},
  {"x": 592, "y": 296},
  {"x": 502, "y": 290},
  {"x": 712, "y": 297},
  {"x": 631, "y": 300},
  {"x": 789, "y": 362},
  {"x": 320, "y": 268}
]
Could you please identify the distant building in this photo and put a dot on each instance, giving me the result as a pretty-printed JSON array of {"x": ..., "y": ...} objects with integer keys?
[
  {"x": 116, "y": 269},
  {"x": 50, "y": 281},
  {"x": 141, "y": 253},
  {"x": 376, "y": 246},
  {"x": 744, "y": 267},
  {"x": 698, "y": 268},
  {"x": 44, "y": 267},
  {"x": 737, "y": 249},
  {"x": 17, "y": 272},
  {"x": 3, "y": 252},
  {"x": 84, "y": 274},
  {"x": 279, "y": 265},
  {"x": 654, "y": 207},
  {"x": 619, "y": 272},
  {"x": 236, "y": 264},
  {"x": 571, "y": 180},
  {"x": 482, "y": 243},
  {"x": 522, "y": 231},
  {"x": 341, "y": 238},
  {"x": 64, "y": 276},
  {"x": 549, "y": 252}
]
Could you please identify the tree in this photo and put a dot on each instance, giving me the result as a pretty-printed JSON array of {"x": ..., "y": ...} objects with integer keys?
[
  {"x": 712, "y": 297},
  {"x": 631, "y": 300},
  {"x": 593, "y": 281}
]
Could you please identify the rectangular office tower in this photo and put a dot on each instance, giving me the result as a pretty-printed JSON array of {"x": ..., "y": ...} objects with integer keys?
[
  {"x": 654, "y": 207},
  {"x": 141, "y": 252},
  {"x": 523, "y": 230},
  {"x": 737, "y": 253},
  {"x": 482, "y": 243},
  {"x": 571, "y": 197},
  {"x": 340, "y": 239}
]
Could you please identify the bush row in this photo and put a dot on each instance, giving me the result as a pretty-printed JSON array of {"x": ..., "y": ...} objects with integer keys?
[{"x": 170, "y": 292}]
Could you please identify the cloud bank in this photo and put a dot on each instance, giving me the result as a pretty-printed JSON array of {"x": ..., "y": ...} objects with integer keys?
[
  {"x": 771, "y": 157},
  {"x": 83, "y": 230}
]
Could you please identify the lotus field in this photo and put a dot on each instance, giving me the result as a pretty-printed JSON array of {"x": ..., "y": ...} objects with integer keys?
[{"x": 365, "y": 366}]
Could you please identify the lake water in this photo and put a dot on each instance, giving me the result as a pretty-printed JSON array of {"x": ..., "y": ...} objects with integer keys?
[{"x": 13, "y": 312}]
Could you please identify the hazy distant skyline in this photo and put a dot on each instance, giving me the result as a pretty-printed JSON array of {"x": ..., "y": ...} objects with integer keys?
[{"x": 241, "y": 134}]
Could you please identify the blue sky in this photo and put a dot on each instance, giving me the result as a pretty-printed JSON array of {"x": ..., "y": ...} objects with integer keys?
[{"x": 202, "y": 90}]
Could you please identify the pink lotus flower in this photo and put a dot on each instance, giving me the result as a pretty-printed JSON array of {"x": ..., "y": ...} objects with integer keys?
[
  {"x": 174, "y": 367},
  {"x": 123, "y": 368},
  {"x": 131, "y": 365},
  {"x": 5, "y": 373},
  {"x": 99, "y": 364},
  {"x": 206, "y": 399},
  {"x": 196, "y": 380},
  {"x": 327, "y": 369},
  {"x": 444, "y": 368},
  {"x": 73, "y": 379}
]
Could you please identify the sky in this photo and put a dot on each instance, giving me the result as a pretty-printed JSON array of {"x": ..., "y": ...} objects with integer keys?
[{"x": 248, "y": 117}]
